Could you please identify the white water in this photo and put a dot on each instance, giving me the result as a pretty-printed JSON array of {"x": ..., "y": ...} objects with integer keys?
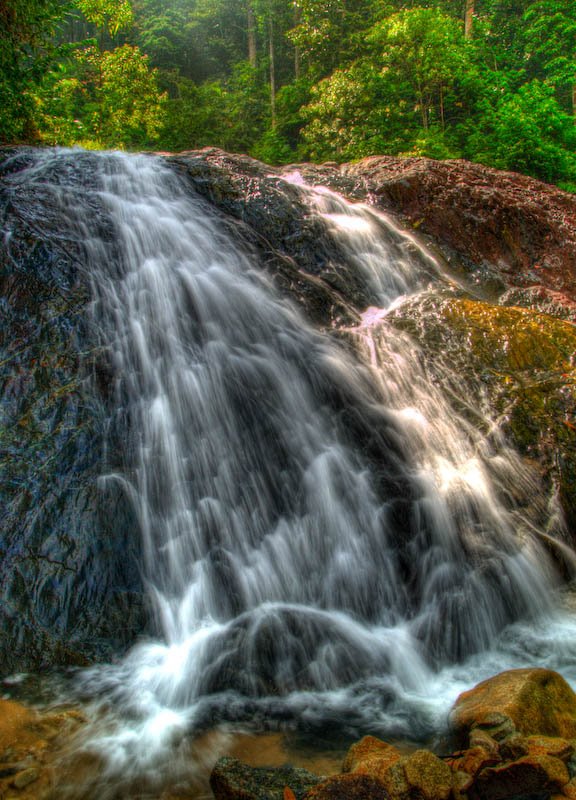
[{"x": 325, "y": 542}]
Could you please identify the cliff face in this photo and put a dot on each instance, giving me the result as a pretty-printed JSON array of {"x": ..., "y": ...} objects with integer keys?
[
  {"x": 69, "y": 547},
  {"x": 70, "y": 588}
]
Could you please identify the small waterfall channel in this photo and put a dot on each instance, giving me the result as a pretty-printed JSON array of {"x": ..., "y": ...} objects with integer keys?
[{"x": 325, "y": 542}]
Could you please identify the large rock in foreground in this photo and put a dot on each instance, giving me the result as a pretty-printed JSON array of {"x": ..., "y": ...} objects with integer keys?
[
  {"x": 517, "y": 731},
  {"x": 526, "y": 701}
]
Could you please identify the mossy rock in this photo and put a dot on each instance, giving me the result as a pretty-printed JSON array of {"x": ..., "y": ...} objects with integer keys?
[
  {"x": 519, "y": 363},
  {"x": 535, "y": 702}
]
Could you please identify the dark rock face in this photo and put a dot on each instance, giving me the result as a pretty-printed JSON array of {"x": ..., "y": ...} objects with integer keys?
[
  {"x": 499, "y": 230},
  {"x": 508, "y": 229},
  {"x": 68, "y": 570},
  {"x": 272, "y": 216}
]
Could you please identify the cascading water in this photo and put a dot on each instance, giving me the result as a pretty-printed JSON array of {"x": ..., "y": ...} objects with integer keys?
[{"x": 323, "y": 539}]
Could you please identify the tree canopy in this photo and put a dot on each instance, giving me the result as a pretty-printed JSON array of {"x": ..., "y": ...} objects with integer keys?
[{"x": 489, "y": 80}]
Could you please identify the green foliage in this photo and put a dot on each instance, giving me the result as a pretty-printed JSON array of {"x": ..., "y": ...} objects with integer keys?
[
  {"x": 110, "y": 98},
  {"x": 424, "y": 51},
  {"x": 527, "y": 131},
  {"x": 331, "y": 33},
  {"x": 114, "y": 15},
  {"x": 26, "y": 28},
  {"x": 550, "y": 34},
  {"x": 348, "y": 114},
  {"x": 289, "y": 79}
]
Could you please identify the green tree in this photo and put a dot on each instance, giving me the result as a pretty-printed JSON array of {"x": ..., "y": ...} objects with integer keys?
[
  {"x": 26, "y": 30},
  {"x": 551, "y": 39},
  {"x": 350, "y": 115},
  {"x": 113, "y": 15},
  {"x": 527, "y": 131},
  {"x": 330, "y": 34},
  {"x": 424, "y": 52},
  {"x": 104, "y": 98}
]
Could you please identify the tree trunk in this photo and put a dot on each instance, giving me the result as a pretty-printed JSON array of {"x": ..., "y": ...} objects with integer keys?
[
  {"x": 297, "y": 54},
  {"x": 468, "y": 19},
  {"x": 252, "y": 52},
  {"x": 272, "y": 54}
]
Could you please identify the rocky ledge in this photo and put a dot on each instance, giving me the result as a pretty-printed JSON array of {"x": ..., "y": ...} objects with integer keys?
[
  {"x": 512, "y": 237},
  {"x": 513, "y": 737}
]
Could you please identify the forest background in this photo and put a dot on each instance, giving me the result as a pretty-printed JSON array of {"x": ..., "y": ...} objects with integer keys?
[{"x": 492, "y": 81}]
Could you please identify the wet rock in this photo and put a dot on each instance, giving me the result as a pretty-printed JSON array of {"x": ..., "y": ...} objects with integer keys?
[
  {"x": 70, "y": 586},
  {"x": 419, "y": 776},
  {"x": 510, "y": 230},
  {"x": 428, "y": 777},
  {"x": 25, "y": 778},
  {"x": 520, "y": 363},
  {"x": 483, "y": 740},
  {"x": 526, "y": 777},
  {"x": 517, "y": 746},
  {"x": 231, "y": 779},
  {"x": 349, "y": 787},
  {"x": 569, "y": 791},
  {"x": 532, "y": 701},
  {"x": 473, "y": 760},
  {"x": 539, "y": 298},
  {"x": 371, "y": 756},
  {"x": 273, "y": 216}
]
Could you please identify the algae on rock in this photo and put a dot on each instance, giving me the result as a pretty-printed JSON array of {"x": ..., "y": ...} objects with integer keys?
[{"x": 518, "y": 365}]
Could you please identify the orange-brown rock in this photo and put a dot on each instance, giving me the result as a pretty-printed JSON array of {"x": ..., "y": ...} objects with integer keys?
[
  {"x": 481, "y": 738},
  {"x": 518, "y": 746},
  {"x": 528, "y": 701},
  {"x": 350, "y": 786},
  {"x": 371, "y": 756},
  {"x": 532, "y": 775},
  {"x": 473, "y": 760},
  {"x": 568, "y": 791},
  {"x": 428, "y": 776},
  {"x": 419, "y": 776}
]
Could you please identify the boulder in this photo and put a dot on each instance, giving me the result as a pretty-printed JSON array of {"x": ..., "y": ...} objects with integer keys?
[
  {"x": 526, "y": 777},
  {"x": 349, "y": 787},
  {"x": 231, "y": 779},
  {"x": 419, "y": 776},
  {"x": 534, "y": 702},
  {"x": 508, "y": 230},
  {"x": 371, "y": 756},
  {"x": 428, "y": 777}
]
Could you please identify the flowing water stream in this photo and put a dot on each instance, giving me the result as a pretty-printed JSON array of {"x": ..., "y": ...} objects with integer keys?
[{"x": 326, "y": 544}]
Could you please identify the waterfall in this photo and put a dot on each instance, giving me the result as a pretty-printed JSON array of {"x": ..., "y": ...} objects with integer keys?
[{"x": 322, "y": 535}]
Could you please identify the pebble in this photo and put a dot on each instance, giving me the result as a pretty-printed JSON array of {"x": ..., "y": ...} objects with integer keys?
[{"x": 25, "y": 778}]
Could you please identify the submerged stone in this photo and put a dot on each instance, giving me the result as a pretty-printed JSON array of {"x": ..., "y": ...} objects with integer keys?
[
  {"x": 231, "y": 779},
  {"x": 371, "y": 756},
  {"x": 349, "y": 787}
]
